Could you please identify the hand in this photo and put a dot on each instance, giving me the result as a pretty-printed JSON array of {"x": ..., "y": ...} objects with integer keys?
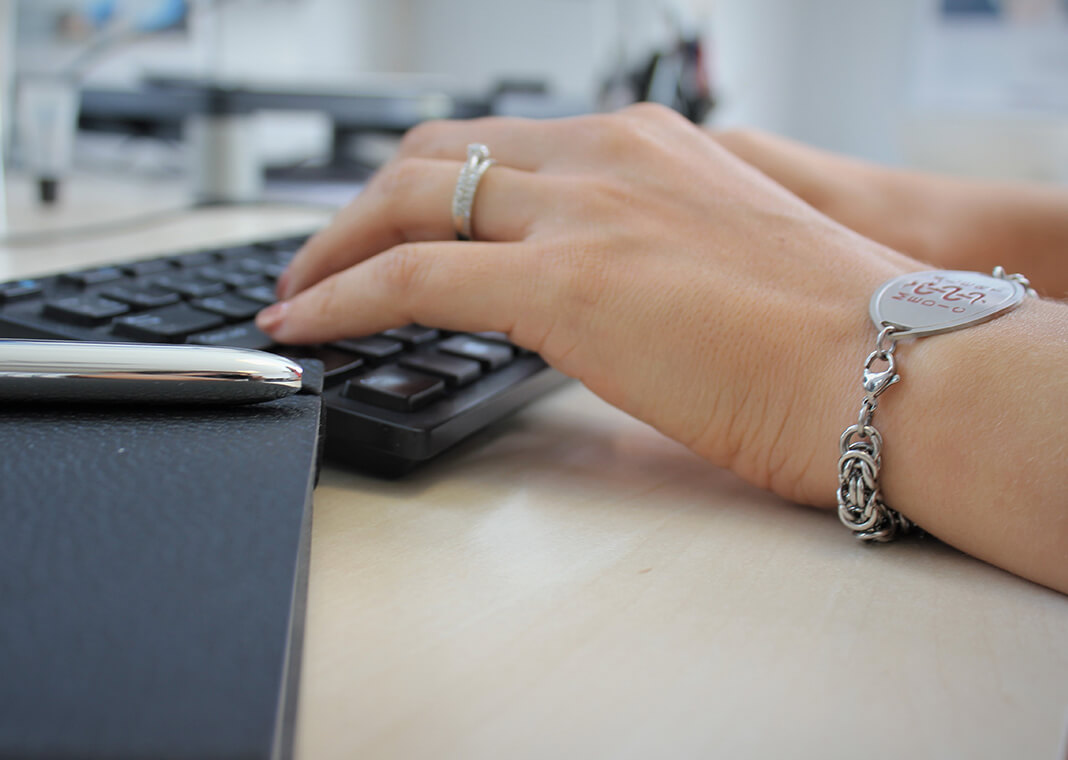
[
  {"x": 632, "y": 253},
  {"x": 951, "y": 223},
  {"x": 690, "y": 290}
]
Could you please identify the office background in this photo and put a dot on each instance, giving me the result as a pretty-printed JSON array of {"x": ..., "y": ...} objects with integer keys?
[
  {"x": 576, "y": 582},
  {"x": 978, "y": 87}
]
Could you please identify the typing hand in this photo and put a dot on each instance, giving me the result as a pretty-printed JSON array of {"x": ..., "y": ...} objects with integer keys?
[{"x": 631, "y": 252}]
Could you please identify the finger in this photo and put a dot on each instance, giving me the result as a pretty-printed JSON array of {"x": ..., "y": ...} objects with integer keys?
[
  {"x": 465, "y": 286},
  {"x": 411, "y": 200}
]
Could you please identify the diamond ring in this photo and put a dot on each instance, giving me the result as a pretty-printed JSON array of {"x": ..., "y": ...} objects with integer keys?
[{"x": 463, "y": 197}]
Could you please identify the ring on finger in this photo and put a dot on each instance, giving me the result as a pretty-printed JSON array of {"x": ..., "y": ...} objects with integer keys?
[{"x": 463, "y": 197}]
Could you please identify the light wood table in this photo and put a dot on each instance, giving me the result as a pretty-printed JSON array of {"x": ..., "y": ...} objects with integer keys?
[{"x": 572, "y": 584}]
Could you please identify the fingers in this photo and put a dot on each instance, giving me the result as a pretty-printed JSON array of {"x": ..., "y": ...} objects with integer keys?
[
  {"x": 453, "y": 285},
  {"x": 411, "y": 200}
]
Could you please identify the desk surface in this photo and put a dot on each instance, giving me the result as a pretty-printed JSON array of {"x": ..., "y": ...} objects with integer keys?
[{"x": 572, "y": 584}]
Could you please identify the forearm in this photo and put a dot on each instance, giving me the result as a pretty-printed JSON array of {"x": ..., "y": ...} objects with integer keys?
[
  {"x": 976, "y": 449},
  {"x": 977, "y": 225},
  {"x": 950, "y": 222}
]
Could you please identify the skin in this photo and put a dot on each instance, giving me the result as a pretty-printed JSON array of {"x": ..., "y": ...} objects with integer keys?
[
  {"x": 950, "y": 222},
  {"x": 689, "y": 289}
]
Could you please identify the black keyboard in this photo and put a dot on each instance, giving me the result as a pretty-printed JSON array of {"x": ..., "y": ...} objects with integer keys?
[{"x": 393, "y": 400}]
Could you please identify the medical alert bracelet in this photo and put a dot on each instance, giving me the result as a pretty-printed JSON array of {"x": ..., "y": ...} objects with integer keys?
[{"x": 910, "y": 306}]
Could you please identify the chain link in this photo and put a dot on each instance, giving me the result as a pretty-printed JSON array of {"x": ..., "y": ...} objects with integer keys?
[{"x": 860, "y": 499}]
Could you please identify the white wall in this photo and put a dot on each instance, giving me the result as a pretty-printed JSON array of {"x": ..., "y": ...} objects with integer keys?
[
  {"x": 833, "y": 73},
  {"x": 879, "y": 80},
  {"x": 318, "y": 40},
  {"x": 850, "y": 75}
]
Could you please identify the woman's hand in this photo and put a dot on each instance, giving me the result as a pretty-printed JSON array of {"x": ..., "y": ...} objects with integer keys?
[
  {"x": 632, "y": 253},
  {"x": 951, "y": 223},
  {"x": 687, "y": 288}
]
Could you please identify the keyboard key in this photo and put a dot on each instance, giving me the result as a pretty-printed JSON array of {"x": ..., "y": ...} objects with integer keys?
[
  {"x": 264, "y": 294},
  {"x": 493, "y": 337},
  {"x": 499, "y": 337},
  {"x": 290, "y": 245},
  {"x": 413, "y": 335},
  {"x": 489, "y": 355},
  {"x": 171, "y": 324},
  {"x": 195, "y": 259},
  {"x": 238, "y": 252},
  {"x": 274, "y": 271},
  {"x": 337, "y": 364},
  {"x": 88, "y": 311},
  {"x": 141, "y": 297},
  {"x": 394, "y": 387},
  {"x": 250, "y": 266},
  {"x": 373, "y": 348},
  {"x": 191, "y": 287},
  {"x": 453, "y": 369},
  {"x": 229, "y": 305},
  {"x": 245, "y": 335},
  {"x": 243, "y": 279},
  {"x": 15, "y": 291},
  {"x": 232, "y": 276},
  {"x": 152, "y": 266},
  {"x": 94, "y": 276}
]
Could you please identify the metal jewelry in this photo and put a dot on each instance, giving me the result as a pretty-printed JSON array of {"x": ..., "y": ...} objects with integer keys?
[
  {"x": 463, "y": 197},
  {"x": 913, "y": 305}
]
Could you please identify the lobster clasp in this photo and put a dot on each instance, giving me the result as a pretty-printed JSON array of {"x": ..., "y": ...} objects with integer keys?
[{"x": 877, "y": 381}]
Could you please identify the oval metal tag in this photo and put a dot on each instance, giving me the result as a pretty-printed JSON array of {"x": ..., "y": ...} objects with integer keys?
[{"x": 928, "y": 303}]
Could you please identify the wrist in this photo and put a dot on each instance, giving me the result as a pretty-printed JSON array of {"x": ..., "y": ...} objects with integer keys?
[
  {"x": 838, "y": 338},
  {"x": 956, "y": 404},
  {"x": 972, "y": 445}
]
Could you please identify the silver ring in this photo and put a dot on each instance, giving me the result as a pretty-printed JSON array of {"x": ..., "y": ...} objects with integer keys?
[{"x": 463, "y": 197}]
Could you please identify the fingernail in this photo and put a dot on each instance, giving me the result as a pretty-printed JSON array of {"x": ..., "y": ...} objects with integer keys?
[
  {"x": 270, "y": 319},
  {"x": 282, "y": 286}
]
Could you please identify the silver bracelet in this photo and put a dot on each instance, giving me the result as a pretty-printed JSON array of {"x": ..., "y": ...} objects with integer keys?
[{"x": 910, "y": 306}]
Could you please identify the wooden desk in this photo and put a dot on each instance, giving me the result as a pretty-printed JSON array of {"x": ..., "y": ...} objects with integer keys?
[{"x": 572, "y": 584}]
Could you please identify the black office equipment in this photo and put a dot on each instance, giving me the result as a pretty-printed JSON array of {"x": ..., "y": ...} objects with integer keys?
[
  {"x": 393, "y": 400},
  {"x": 152, "y": 577},
  {"x": 161, "y": 107}
]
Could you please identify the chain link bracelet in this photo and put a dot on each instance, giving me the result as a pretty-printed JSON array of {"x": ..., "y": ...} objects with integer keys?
[{"x": 914, "y": 305}]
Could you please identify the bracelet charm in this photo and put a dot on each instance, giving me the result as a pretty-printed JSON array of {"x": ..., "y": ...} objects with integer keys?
[{"x": 913, "y": 305}]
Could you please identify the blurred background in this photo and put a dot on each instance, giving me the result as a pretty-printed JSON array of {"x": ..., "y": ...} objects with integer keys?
[{"x": 239, "y": 96}]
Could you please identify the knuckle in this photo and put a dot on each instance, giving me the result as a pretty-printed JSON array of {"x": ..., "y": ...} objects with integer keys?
[
  {"x": 622, "y": 135},
  {"x": 652, "y": 111},
  {"x": 400, "y": 176},
  {"x": 589, "y": 132},
  {"x": 421, "y": 139},
  {"x": 657, "y": 122},
  {"x": 617, "y": 136},
  {"x": 656, "y": 115}
]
